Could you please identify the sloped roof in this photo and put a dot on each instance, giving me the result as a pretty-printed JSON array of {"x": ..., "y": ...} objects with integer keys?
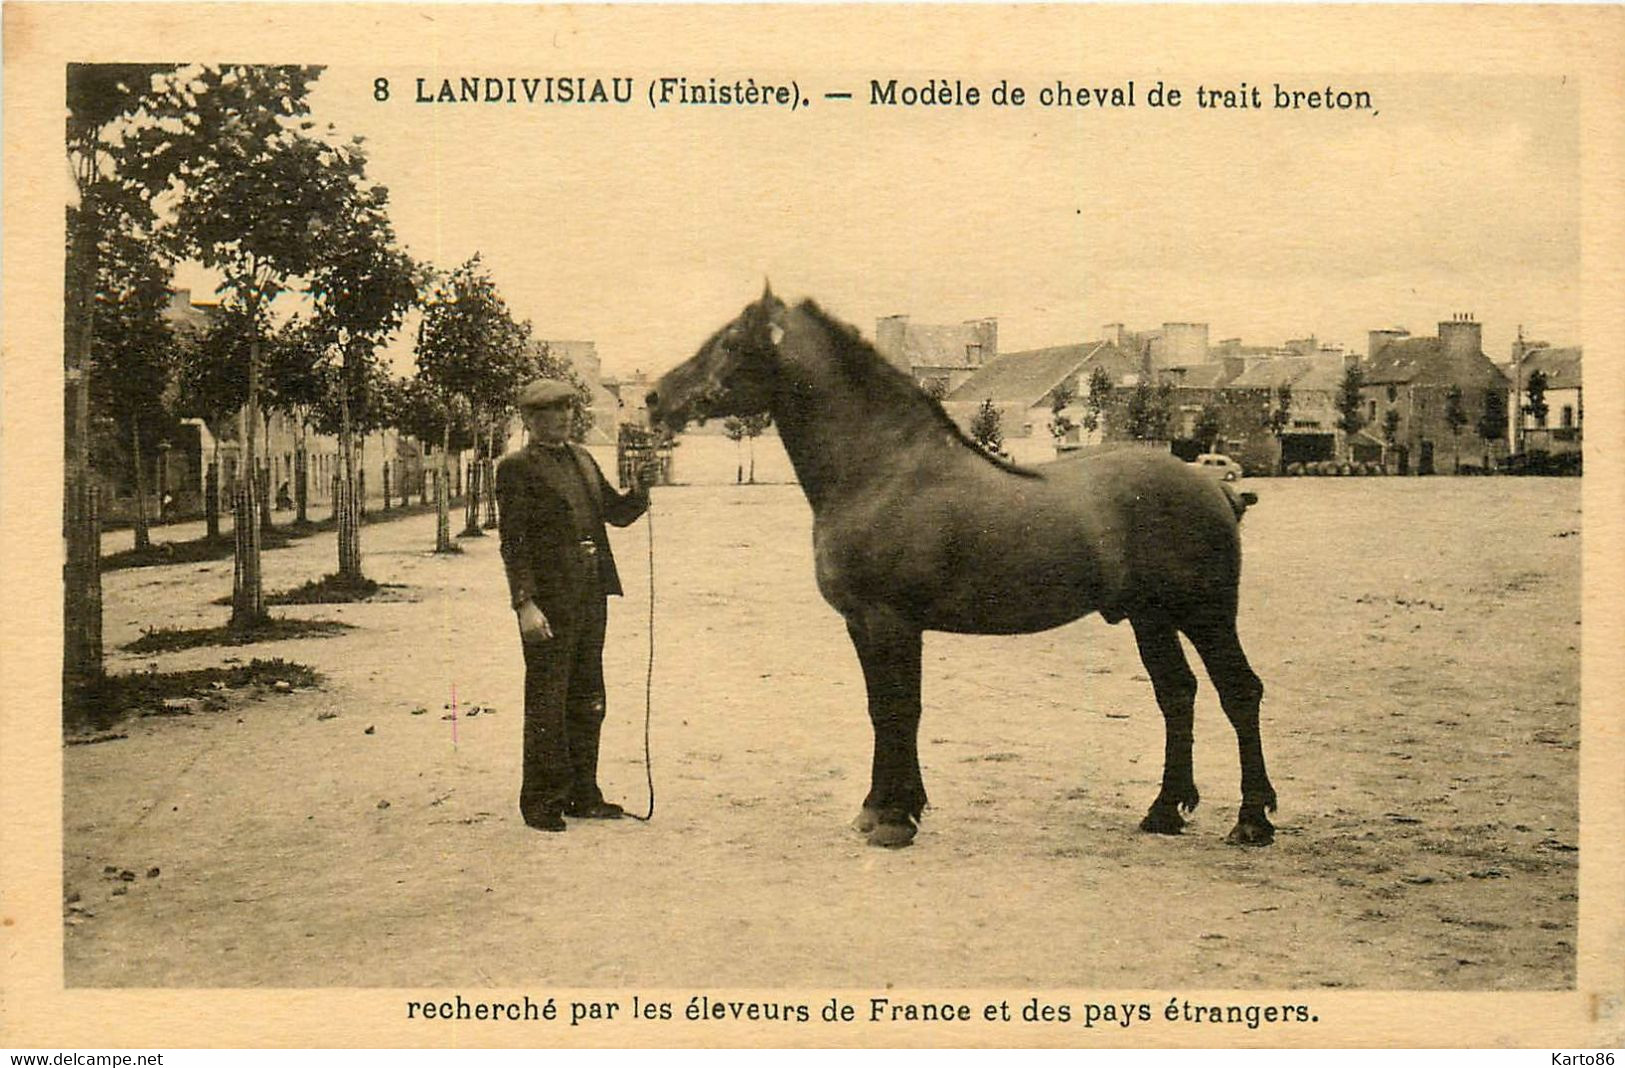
[
  {"x": 1198, "y": 375},
  {"x": 1298, "y": 372},
  {"x": 1325, "y": 374},
  {"x": 1423, "y": 361},
  {"x": 1026, "y": 377},
  {"x": 1403, "y": 360}
]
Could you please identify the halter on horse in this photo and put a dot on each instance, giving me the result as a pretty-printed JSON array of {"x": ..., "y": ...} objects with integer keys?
[{"x": 916, "y": 529}]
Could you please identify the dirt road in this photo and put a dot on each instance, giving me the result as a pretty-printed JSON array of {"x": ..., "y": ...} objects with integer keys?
[{"x": 1418, "y": 640}]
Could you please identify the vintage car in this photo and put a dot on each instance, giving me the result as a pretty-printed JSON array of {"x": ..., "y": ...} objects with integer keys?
[{"x": 1219, "y": 465}]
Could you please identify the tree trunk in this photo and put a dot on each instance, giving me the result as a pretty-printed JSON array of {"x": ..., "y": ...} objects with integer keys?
[
  {"x": 751, "y": 450},
  {"x": 301, "y": 478},
  {"x": 442, "y": 502},
  {"x": 143, "y": 533},
  {"x": 81, "y": 572},
  {"x": 211, "y": 496},
  {"x": 266, "y": 480},
  {"x": 345, "y": 505},
  {"x": 248, "y": 591},
  {"x": 491, "y": 482},
  {"x": 386, "y": 485},
  {"x": 82, "y": 583},
  {"x": 471, "y": 506}
]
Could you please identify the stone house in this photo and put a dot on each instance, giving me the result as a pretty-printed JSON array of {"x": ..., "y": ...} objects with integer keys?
[
  {"x": 1023, "y": 387},
  {"x": 1407, "y": 387},
  {"x": 583, "y": 357},
  {"x": 939, "y": 357},
  {"x": 1560, "y": 429}
]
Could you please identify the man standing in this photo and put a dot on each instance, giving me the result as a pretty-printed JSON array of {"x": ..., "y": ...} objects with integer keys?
[{"x": 553, "y": 502}]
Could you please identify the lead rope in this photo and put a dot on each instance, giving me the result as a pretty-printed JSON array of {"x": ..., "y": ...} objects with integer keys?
[{"x": 649, "y": 676}]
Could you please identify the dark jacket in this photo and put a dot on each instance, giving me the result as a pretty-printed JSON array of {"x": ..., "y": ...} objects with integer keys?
[{"x": 540, "y": 538}]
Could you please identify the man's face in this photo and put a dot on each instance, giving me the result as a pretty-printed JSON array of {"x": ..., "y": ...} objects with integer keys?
[{"x": 550, "y": 425}]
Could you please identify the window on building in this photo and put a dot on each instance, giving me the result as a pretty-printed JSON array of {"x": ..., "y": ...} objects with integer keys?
[
  {"x": 1371, "y": 412},
  {"x": 1568, "y": 416},
  {"x": 1393, "y": 394},
  {"x": 973, "y": 353}
]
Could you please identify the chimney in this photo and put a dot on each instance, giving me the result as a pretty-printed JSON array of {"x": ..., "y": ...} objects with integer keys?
[
  {"x": 890, "y": 331},
  {"x": 987, "y": 335},
  {"x": 1462, "y": 337}
]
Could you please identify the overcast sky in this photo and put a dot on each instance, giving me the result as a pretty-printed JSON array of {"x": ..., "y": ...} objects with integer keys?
[{"x": 645, "y": 230}]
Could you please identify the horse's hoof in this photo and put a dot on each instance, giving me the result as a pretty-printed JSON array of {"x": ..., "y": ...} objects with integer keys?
[
  {"x": 1163, "y": 819},
  {"x": 892, "y": 835},
  {"x": 1249, "y": 832},
  {"x": 867, "y": 820}
]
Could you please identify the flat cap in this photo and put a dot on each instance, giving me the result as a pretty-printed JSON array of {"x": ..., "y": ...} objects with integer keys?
[{"x": 546, "y": 392}]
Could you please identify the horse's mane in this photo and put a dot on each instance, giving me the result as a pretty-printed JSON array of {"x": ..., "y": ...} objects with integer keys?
[{"x": 874, "y": 374}]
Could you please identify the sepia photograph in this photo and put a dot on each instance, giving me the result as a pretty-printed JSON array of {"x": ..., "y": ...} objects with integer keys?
[{"x": 814, "y": 525}]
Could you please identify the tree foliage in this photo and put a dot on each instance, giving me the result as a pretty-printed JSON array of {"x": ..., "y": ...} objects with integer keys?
[
  {"x": 1536, "y": 406},
  {"x": 1061, "y": 423},
  {"x": 985, "y": 427},
  {"x": 1280, "y": 416},
  {"x": 1100, "y": 389},
  {"x": 132, "y": 345},
  {"x": 1149, "y": 411},
  {"x": 1209, "y": 425},
  {"x": 1390, "y": 425},
  {"x": 1455, "y": 410},
  {"x": 1349, "y": 417},
  {"x": 1492, "y": 421}
]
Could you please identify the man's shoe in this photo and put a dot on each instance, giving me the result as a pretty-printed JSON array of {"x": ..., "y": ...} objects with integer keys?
[
  {"x": 545, "y": 821},
  {"x": 596, "y": 810}
]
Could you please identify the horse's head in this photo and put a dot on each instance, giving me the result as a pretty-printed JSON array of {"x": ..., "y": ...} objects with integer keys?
[{"x": 732, "y": 374}]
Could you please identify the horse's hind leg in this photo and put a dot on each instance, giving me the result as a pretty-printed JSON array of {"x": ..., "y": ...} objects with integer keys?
[
  {"x": 889, "y": 650},
  {"x": 1175, "y": 687},
  {"x": 1240, "y": 692}
]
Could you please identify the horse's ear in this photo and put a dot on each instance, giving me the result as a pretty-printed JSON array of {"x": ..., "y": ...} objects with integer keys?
[{"x": 768, "y": 300}]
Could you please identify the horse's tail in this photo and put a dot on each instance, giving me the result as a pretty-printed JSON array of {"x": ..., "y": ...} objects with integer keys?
[{"x": 1240, "y": 501}]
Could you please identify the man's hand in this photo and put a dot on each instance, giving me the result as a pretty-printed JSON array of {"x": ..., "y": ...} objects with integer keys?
[
  {"x": 533, "y": 625},
  {"x": 640, "y": 478}
]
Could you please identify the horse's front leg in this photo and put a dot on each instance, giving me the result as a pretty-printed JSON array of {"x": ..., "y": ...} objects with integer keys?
[{"x": 889, "y": 650}]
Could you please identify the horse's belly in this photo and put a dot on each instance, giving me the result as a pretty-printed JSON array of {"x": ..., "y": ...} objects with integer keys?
[{"x": 989, "y": 603}]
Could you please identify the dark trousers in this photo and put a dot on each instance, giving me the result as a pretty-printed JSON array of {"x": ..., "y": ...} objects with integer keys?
[{"x": 564, "y": 710}]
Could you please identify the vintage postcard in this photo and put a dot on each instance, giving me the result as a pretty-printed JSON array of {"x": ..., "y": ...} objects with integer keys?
[{"x": 813, "y": 526}]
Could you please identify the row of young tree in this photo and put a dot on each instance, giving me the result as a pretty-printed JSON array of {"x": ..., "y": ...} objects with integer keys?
[{"x": 223, "y": 166}]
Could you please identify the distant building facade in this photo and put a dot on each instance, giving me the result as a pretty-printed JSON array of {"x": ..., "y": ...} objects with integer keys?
[
  {"x": 1407, "y": 389},
  {"x": 582, "y": 356},
  {"x": 1561, "y": 427},
  {"x": 1023, "y": 388},
  {"x": 939, "y": 357},
  {"x": 181, "y": 468}
]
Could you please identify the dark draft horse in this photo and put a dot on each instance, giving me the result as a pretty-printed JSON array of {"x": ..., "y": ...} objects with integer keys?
[{"x": 916, "y": 529}]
